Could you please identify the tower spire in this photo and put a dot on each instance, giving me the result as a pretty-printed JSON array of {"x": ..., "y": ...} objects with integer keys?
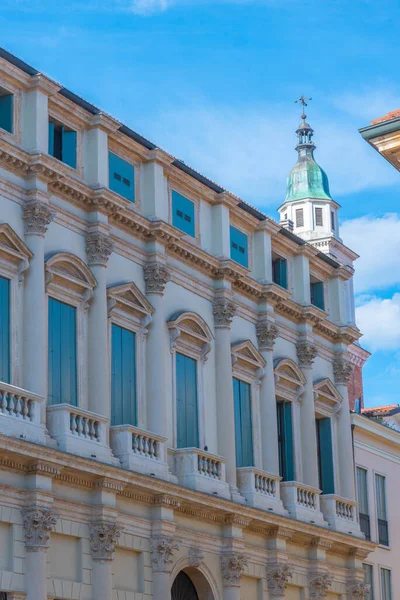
[{"x": 305, "y": 146}]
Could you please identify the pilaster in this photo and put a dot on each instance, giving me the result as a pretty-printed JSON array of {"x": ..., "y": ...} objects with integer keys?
[
  {"x": 162, "y": 549},
  {"x": 342, "y": 370},
  {"x": 233, "y": 565},
  {"x": 103, "y": 537}
]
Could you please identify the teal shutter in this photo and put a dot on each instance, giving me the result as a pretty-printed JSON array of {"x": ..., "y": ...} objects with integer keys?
[
  {"x": 62, "y": 363},
  {"x": 239, "y": 246},
  {"x": 5, "y": 366},
  {"x": 121, "y": 177},
  {"x": 317, "y": 294},
  {"x": 186, "y": 402},
  {"x": 123, "y": 377},
  {"x": 183, "y": 213},
  {"x": 6, "y": 112},
  {"x": 243, "y": 423},
  {"x": 279, "y": 272},
  {"x": 325, "y": 456},
  {"x": 51, "y": 138},
  {"x": 285, "y": 441},
  {"x": 68, "y": 145}
]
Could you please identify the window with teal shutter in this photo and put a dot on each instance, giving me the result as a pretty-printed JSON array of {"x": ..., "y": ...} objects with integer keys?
[
  {"x": 123, "y": 377},
  {"x": 186, "y": 402},
  {"x": 243, "y": 423},
  {"x": 62, "y": 143},
  {"x": 279, "y": 272},
  {"x": 317, "y": 294},
  {"x": 5, "y": 366},
  {"x": 121, "y": 177},
  {"x": 285, "y": 441},
  {"x": 183, "y": 213},
  {"x": 6, "y": 111},
  {"x": 325, "y": 456},
  {"x": 62, "y": 362},
  {"x": 239, "y": 246}
]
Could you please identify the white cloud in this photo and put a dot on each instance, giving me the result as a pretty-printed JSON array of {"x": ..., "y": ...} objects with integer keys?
[
  {"x": 148, "y": 7},
  {"x": 379, "y": 320},
  {"x": 370, "y": 103},
  {"x": 377, "y": 241}
]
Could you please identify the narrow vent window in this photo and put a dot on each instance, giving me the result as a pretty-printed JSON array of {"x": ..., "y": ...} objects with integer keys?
[
  {"x": 333, "y": 221},
  {"x": 318, "y": 217},
  {"x": 299, "y": 217}
]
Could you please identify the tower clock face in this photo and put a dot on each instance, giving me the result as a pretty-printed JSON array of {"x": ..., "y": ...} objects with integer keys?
[{"x": 183, "y": 588}]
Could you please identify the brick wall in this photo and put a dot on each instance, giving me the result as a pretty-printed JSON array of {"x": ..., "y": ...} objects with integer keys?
[{"x": 356, "y": 387}]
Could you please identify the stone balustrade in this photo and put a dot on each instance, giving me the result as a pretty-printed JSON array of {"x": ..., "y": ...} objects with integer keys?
[
  {"x": 139, "y": 450},
  {"x": 260, "y": 489},
  {"x": 200, "y": 470},
  {"x": 79, "y": 431},
  {"x": 340, "y": 513},
  {"x": 20, "y": 413},
  {"x": 302, "y": 502}
]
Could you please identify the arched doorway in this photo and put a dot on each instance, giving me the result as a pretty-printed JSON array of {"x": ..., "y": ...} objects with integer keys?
[{"x": 183, "y": 588}]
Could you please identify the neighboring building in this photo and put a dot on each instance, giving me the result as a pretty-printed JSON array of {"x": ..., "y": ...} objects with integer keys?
[{"x": 174, "y": 369}]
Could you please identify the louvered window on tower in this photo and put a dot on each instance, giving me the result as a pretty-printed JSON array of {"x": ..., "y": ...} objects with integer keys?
[
  {"x": 318, "y": 217},
  {"x": 299, "y": 217},
  {"x": 332, "y": 220}
]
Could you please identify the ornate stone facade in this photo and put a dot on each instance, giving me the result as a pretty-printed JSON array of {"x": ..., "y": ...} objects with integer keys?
[
  {"x": 162, "y": 550},
  {"x": 319, "y": 585},
  {"x": 342, "y": 369},
  {"x": 266, "y": 335},
  {"x": 103, "y": 538},
  {"x": 99, "y": 248},
  {"x": 223, "y": 310},
  {"x": 156, "y": 277},
  {"x": 277, "y": 578},
  {"x": 232, "y": 567},
  {"x": 38, "y": 523},
  {"x": 306, "y": 354},
  {"x": 357, "y": 590},
  {"x": 37, "y": 217}
]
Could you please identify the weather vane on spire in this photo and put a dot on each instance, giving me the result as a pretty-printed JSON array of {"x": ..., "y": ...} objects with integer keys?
[{"x": 303, "y": 101}]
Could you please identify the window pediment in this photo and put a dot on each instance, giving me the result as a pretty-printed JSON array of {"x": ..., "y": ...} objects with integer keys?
[
  {"x": 14, "y": 254},
  {"x": 326, "y": 395},
  {"x": 246, "y": 356},
  {"x": 289, "y": 379},
  {"x": 127, "y": 300},
  {"x": 190, "y": 334},
  {"x": 67, "y": 272}
]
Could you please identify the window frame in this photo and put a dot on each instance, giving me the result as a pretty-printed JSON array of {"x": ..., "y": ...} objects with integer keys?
[
  {"x": 16, "y": 134},
  {"x": 299, "y": 212},
  {"x": 388, "y": 570},
  {"x": 248, "y": 245},
  {"x": 175, "y": 186},
  {"x": 371, "y": 595},
  {"x": 195, "y": 225},
  {"x": 133, "y": 202},
  {"x": 64, "y": 120},
  {"x": 368, "y": 514},
  {"x": 323, "y": 216},
  {"x": 384, "y": 476}
]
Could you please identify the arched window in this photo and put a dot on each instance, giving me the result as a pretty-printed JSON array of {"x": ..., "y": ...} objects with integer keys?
[{"x": 183, "y": 588}]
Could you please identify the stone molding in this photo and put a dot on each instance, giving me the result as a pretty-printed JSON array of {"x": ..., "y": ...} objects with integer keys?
[
  {"x": 162, "y": 549},
  {"x": 306, "y": 353},
  {"x": 37, "y": 217},
  {"x": 342, "y": 369},
  {"x": 266, "y": 335},
  {"x": 357, "y": 590},
  {"x": 196, "y": 557},
  {"x": 156, "y": 277},
  {"x": 99, "y": 247},
  {"x": 103, "y": 538},
  {"x": 232, "y": 567},
  {"x": 37, "y": 523},
  {"x": 223, "y": 310},
  {"x": 277, "y": 578},
  {"x": 318, "y": 585}
]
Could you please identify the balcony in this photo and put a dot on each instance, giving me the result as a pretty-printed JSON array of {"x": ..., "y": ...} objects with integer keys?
[
  {"x": 79, "y": 431},
  {"x": 200, "y": 470},
  {"x": 139, "y": 450},
  {"x": 341, "y": 514},
  {"x": 260, "y": 489},
  {"x": 20, "y": 414},
  {"x": 302, "y": 502}
]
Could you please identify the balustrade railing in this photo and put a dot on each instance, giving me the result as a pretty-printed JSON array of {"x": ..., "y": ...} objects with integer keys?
[
  {"x": 260, "y": 489},
  {"x": 307, "y": 498},
  {"x": 209, "y": 466},
  {"x": 139, "y": 450},
  {"x": 340, "y": 513},
  {"x": 199, "y": 470},
  {"x": 302, "y": 502},
  {"x": 20, "y": 413},
  {"x": 85, "y": 426}
]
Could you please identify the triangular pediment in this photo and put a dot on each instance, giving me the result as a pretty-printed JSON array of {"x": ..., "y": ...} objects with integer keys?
[
  {"x": 12, "y": 248},
  {"x": 129, "y": 298},
  {"x": 247, "y": 352},
  {"x": 325, "y": 390}
]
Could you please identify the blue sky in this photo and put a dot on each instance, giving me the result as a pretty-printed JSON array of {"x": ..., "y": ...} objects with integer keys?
[{"x": 213, "y": 82}]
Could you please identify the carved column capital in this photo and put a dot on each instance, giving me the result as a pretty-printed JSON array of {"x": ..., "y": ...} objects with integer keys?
[
  {"x": 306, "y": 353},
  {"x": 162, "y": 549},
  {"x": 277, "y": 578},
  {"x": 103, "y": 538},
  {"x": 37, "y": 523},
  {"x": 232, "y": 566},
  {"x": 99, "y": 247},
  {"x": 37, "y": 217},
  {"x": 266, "y": 335},
  {"x": 318, "y": 585},
  {"x": 357, "y": 590},
  {"x": 156, "y": 277},
  {"x": 342, "y": 368},
  {"x": 223, "y": 310}
]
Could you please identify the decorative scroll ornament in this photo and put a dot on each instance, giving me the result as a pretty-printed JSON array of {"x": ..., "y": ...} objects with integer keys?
[
  {"x": 223, "y": 310},
  {"x": 196, "y": 557},
  {"x": 357, "y": 590},
  {"x": 156, "y": 277},
  {"x": 38, "y": 523},
  {"x": 318, "y": 585},
  {"x": 37, "y": 217},
  {"x": 342, "y": 369},
  {"x": 99, "y": 247},
  {"x": 306, "y": 353},
  {"x": 232, "y": 566},
  {"x": 103, "y": 538},
  {"x": 162, "y": 550},
  {"x": 266, "y": 335},
  {"x": 277, "y": 578}
]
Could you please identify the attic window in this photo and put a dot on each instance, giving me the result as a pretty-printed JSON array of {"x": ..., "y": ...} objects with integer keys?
[
  {"x": 318, "y": 217},
  {"x": 299, "y": 217}
]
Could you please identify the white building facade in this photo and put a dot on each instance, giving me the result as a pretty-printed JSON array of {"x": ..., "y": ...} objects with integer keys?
[{"x": 174, "y": 418}]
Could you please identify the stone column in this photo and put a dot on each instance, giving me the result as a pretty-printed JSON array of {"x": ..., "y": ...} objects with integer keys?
[
  {"x": 156, "y": 276},
  {"x": 342, "y": 370},
  {"x": 162, "y": 549},
  {"x": 318, "y": 585},
  {"x": 98, "y": 249},
  {"x": 266, "y": 335},
  {"x": 103, "y": 538},
  {"x": 37, "y": 523},
  {"x": 277, "y": 578},
  {"x": 357, "y": 590},
  {"x": 232, "y": 567},
  {"x": 306, "y": 353},
  {"x": 224, "y": 310},
  {"x": 37, "y": 217}
]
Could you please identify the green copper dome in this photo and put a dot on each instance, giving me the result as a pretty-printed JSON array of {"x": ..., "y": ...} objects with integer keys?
[{"x": 306, "y": 179}]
